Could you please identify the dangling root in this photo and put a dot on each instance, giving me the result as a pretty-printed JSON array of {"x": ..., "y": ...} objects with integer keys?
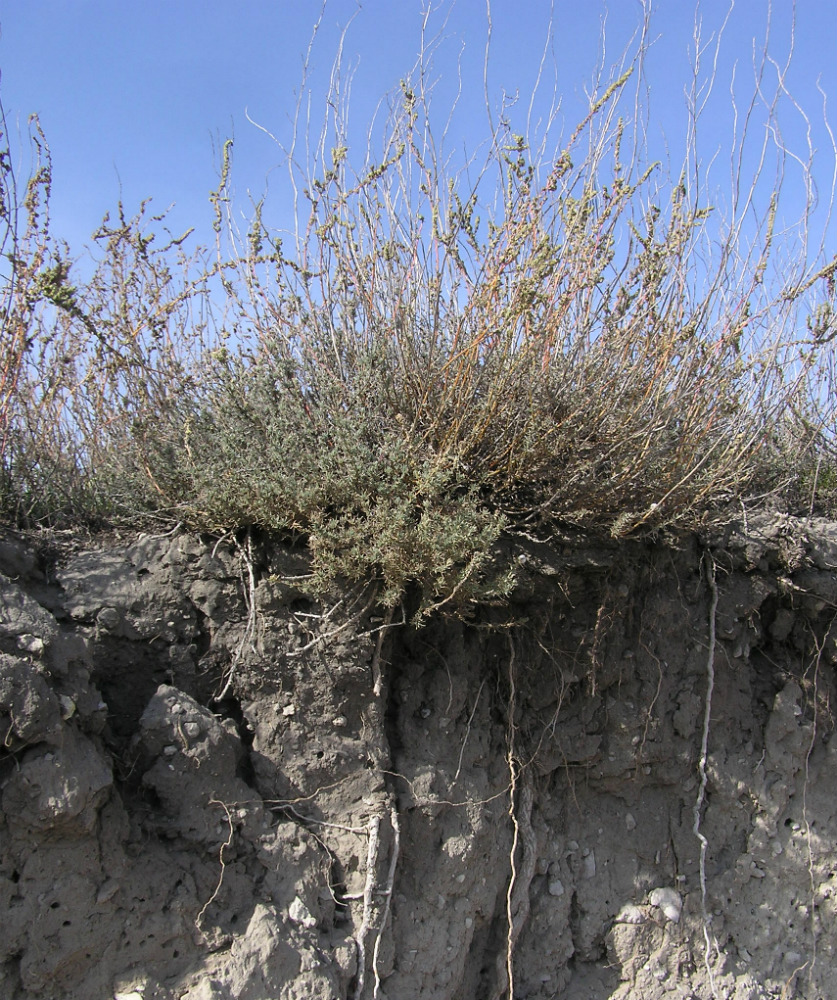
[
  {"x": 517, "y": 896},
  {"x": 704, "y": 754},
  {"x": 369, "y": 892}
]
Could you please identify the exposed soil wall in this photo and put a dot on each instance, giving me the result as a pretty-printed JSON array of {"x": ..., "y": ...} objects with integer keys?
[{"x": 622, "y": 783}]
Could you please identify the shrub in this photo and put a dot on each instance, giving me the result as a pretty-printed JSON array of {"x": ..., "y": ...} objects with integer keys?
[{"x": 571, "y": 338}]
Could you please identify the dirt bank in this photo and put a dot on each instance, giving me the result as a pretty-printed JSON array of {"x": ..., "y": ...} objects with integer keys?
[{"x": 621, "y": 783}]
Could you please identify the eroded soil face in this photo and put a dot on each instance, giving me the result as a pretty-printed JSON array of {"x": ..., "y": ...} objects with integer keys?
[{"x": 622, "y": 783}]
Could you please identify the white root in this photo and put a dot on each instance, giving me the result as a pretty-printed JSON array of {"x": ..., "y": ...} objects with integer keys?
[
  {"x": 368, "y": 890},
  {"x": 393, "y": 864},
  {"x": 704, "y": 754}
]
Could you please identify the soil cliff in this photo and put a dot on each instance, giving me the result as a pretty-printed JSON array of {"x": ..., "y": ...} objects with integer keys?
[{"x": 621, "y": 782}]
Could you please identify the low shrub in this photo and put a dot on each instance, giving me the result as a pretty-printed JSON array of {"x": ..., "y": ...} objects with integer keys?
[{"x": 569, "y": 339}]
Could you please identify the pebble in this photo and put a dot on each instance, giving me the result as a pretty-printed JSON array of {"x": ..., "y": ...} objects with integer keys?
[
  {"x": 108, "y": 618},
  {"x": 669, "y": 901},
  {"x": 630, "y": 914},
  {"x": 300, "y": 914},
  {"x": 31, "y": 644},
  {"x": 107, "y": 891}
]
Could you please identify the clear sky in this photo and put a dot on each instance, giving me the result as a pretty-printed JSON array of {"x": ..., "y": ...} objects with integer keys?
[{"x": 135, "y": 96}]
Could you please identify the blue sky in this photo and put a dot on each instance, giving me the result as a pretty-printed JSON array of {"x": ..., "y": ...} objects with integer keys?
[{"x": 135, "y": 97}]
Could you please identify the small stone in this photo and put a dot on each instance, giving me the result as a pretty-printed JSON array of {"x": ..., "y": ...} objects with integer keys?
[
  {"x": 169, "y": 751},
  {"x": 289, "y": 710},
  {"x": 668, "y": 901},
  {"x": 299, "y": 913},
  {"x": 555, "y": 887},
  {"x": 630, "y": 822},
  {"x": 630, "y": 914},
  {"x": 108, "y": 618},
  {"x": 31, "y": 644},
  {"x": 107, "y": 891},
  {"x": 192, "y": 729},
  {"x": 68, "y": 706},
  {"x": 340, "y": 722}
]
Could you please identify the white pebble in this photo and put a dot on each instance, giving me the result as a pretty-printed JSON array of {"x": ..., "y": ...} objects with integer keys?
[
  {"x": 667, "y": 900},
  {"x": 299, "y": 913},
  {"x": 630, "y": 914}
]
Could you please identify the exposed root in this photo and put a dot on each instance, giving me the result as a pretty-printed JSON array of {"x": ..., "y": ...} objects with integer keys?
[
  {"x": 517, "y": 896},
  {"x": 249, "y": 637},
  {"x": 520, "y": 811},
  {"x": 224, "y": 846},
  {"x": 327, "y": 636},
  {"x": 377, "y": 675},
  {"x": 369, "y": 892},
  {"x": 393, "y": 864},
  {"x": 704, "y": 753},
  {"x": 805, "y": 817},
  {"x": 467, "y": 734},
  {"x": 368, "y": 889}
]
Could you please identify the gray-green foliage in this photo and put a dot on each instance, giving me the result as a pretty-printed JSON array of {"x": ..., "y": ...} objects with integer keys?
[{"x": 423, "y": 373}]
